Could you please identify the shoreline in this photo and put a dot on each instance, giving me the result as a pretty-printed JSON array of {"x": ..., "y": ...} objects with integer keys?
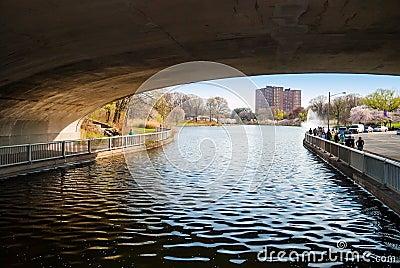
[{"x": 220, "y": 125}]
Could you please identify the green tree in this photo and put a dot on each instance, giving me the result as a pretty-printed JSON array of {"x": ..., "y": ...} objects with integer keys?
[
  {"x": 163, "y": 108},
  {"x": 383, "y": 99},
  {"x": 280, "y": 115},
  {"x": 303, "y": 116}
]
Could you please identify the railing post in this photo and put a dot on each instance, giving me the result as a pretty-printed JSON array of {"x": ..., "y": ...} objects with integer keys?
[
  {"x": 89, "y": 146},
  {"x": 349, "y": 153},
  {"x": 363, "y": 163},
  {"x": 385, "y": 173},
  {"x": 348, "y": 156},
  {"x": 63, "y": 149},
  {"x": 30, "y": 153}
]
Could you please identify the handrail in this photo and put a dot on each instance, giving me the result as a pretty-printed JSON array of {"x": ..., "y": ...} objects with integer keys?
[
  {"x": 27, "y": 153},
  {"x": 383, "y": 170}
]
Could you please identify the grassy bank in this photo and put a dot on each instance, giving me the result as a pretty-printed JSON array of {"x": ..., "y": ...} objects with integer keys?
[
  {"x": 142, "y": 130},
  {"x": 192, "y": 123}
]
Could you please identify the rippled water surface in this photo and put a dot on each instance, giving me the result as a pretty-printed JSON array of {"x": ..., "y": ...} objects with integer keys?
[{"x": 213, "y": 197}]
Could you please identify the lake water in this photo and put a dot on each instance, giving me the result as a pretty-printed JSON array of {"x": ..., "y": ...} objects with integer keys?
[{"x": 213, "y": 197}]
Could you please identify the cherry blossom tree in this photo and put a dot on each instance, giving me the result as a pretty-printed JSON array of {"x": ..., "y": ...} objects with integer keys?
[{"x": 361, "y": 114}]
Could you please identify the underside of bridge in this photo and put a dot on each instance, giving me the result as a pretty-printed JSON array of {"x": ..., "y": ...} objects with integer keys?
[{"x": 61, "y": 59}]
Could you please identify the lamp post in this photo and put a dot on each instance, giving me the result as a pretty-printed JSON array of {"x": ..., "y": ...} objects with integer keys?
[{"x": 329, "y": 103}]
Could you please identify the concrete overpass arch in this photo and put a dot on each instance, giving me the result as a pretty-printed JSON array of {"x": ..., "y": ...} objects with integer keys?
[{"x": 60, "y": 60}]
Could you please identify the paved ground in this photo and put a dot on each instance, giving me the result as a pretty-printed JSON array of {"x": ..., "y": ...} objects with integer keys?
[{"x": 386, "y": 144}]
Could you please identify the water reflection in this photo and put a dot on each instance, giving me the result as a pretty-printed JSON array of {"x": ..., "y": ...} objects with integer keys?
[{"x": 99, "y": 215}]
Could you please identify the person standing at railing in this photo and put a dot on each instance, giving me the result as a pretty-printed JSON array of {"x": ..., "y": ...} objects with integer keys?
[
  {"x": 336, "y": 137},
  {"x": 360, "y": 144},
  {"x": 131, "y": 132},
  {"x": 342, "y": 137},
  {"x": 315, "y": 131},
  {"x": 328, "y": 135},
  {"x": 115, "y": 132}
]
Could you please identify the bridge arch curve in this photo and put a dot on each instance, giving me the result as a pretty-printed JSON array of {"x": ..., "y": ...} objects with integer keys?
[{"x": 60, "y": 59}]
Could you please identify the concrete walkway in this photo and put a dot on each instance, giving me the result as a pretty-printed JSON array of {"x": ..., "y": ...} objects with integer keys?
[{"x": 386, "y": 144}]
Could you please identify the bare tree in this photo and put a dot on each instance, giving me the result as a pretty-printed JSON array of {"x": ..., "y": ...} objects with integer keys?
[
  {"x": 107, "y": 108},
  {"x": 120, "y": 107},
  {"x": 221, "y": 106},
  {"x": 175, "y": 99},
  {"x": 176, "y": 115},
  {"x": 194, "y": 106},
  {"x": 351, "y": 100},
  {"x": 264, "y": 115},
  {"x": 217, "y": 106},
  {"x": 210, "y": 107},
  {"x": 140, "y": 106},
  {"x": 338, "y": 106},
  {"x": 318, "y": 105}
]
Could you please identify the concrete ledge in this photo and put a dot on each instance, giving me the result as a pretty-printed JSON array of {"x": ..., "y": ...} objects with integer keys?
[
  {"x": 105, "y": 154},
  {"x": 386, "y": 195},
  {"x": 23, "y": 169}
]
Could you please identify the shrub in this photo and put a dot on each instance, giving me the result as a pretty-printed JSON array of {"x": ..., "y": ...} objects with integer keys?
[{"x": 152, "y": 124}]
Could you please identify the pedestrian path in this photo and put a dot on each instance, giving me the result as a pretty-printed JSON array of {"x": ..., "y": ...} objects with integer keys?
[{"x": 386, "y": 144}]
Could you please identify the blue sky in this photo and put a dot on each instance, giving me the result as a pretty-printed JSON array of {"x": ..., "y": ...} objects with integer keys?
[{"x": 312, "y": 85}]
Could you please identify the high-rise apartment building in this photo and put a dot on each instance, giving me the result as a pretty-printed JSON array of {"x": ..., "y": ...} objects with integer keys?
[
  {"x": 269, "y": 97},
  {"x": 278, "y": 98},
  {"x": 291, "y": 100}
]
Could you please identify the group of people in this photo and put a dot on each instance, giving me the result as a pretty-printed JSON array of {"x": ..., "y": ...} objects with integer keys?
[
  {"x": 115, "y": 132},
  {"x": 320, "y": 132},
  {"x": 336, "y": 136},
  {"x": 111, "y": 132}
]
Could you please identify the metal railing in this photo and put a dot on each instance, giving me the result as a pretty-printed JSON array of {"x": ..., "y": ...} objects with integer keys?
[
  {"x": 383, "y": 170},
  {"x": 29, "y": 153}
]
